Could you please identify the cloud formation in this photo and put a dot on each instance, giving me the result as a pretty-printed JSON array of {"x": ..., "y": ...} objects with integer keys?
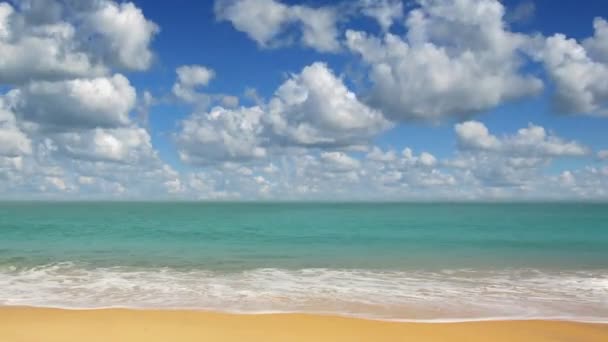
[
  {"x": 189, "y": 78},
  {"x": 310, "y": 109},
  {"x": 73, "y": 124},
  {"x": 58, "y": 40},
  {"x": 531, "y": 141},
  {"x": 13, "y": 142},
  {"x": 431, "y": 73},
  {"x": 81, "y": 103},
  {"x": 65, "y": 120},
  {"x": 315, "y": 108},
  {"x": 221, "y": 134},
  {"x": 266, "y": 22},
  {"x": 580, "y": 80}
]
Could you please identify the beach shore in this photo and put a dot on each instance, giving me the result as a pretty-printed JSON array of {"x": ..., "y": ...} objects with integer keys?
[{"x": 41, "y": 325}]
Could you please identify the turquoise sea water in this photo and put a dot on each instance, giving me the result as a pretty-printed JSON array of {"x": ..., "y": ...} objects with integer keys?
[{"x": 384, "y": 260}]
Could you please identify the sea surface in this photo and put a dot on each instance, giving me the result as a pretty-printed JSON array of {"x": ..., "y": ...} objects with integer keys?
[{"x": 397, "y": 261}]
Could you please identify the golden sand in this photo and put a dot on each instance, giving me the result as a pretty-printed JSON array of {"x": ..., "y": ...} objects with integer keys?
[{"x": 41, "y": 325}]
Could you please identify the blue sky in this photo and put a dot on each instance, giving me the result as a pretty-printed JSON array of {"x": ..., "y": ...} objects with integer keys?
[{"x": 382, "y": 100}]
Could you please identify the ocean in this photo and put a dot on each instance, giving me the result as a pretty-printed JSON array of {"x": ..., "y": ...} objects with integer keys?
[{"x": 393, "y": 261}]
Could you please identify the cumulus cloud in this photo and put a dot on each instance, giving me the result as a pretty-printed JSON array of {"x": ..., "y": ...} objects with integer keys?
[
  {"x": 267, "y": 22},
  {"x": 221, "y": 134},
  {"x": 512, "y": 165},
  {"x": 62, "y": 40},
  {"x": 597, "y": 46},
  {"x": 474, "y": 134},
  {"x": 581, "y": 82},
  {"x": 124, "y": 145},
  {"x": 65, "y": 123},
  {"x": 531, "y": 141},
  {"x": 339, "y": 161},
  {"x": 81, "y": 103},
  {"x": 311, "y": 109},
  {"x": 376, "y": 154},
  {"x": 194, "y": 75},
  {"x": 407, "y": 174},
  {"x": 189, "y": 77},
  {"x": 431, "y": 73},
  {"x": 535, "y": 140},
  {"x": 122, "y": 34},
  {"x": 385, "y": 12},
  {"x": 13, "y": 142},
  {"x": 47, "y": 51},
  {"x": 315, "y": 108},
  {"x": 261, "y": 20}
]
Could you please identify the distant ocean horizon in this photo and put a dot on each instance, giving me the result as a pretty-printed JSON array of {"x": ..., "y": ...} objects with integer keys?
[{"x": 427, "y": 261}]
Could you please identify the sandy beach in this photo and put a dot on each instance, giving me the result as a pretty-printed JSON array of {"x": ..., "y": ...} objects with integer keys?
[{"x": 41, "y": 325}]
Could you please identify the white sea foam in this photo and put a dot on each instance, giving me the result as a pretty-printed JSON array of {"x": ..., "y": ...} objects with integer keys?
[{"x": 450, "y": 295}]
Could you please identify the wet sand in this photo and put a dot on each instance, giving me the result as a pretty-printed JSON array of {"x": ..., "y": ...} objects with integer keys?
[{"x": 41, "y": 325}]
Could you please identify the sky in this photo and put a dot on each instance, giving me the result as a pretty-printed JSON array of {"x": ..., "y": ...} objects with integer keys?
[{"x": 304, "y": 100}]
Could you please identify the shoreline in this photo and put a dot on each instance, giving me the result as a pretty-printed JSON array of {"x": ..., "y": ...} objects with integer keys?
[
  {"x": 370, "y": 317},
  {"x": 51, "y": 324}
]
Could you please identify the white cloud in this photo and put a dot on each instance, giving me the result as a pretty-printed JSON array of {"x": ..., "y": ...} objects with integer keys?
[
  {"x": 124, "y": 34},
  {"x": 315, "y": 108},
  {"x": 427, "y": 159},
  {"x": 6, "y": 11},
  {"x": 339, "y": 161},
  {"x": 194, "y": 75},
  {"x": 535, "y": 140},
  {"x": 57, "y": 183},
  {"x": 581, "y": 83},
  {"x": 61, "y": 40},
  {"x": 13, "y": 142},
  {"x": 597, "y": 46},
  {"x": 311, "y": 109},
  {"x": 407, "y": 174},
  {"x": 376, "y": 154},
  {"x": 83, "y": 103},
  {"x": 318, "y": 27},
  {"x": 584, "y": 183},
  {"x": 66, "y": 127},
  {"x": 130, "y": 145},
  {"x": 260, "y": 19},
  {"x": 531, "y": 141},
  {"x": 221, "y": 134},
  {"x": 409, "y": 159},
  {"x": 474, "y": 134},
  {"x": 384, "y": 11},
  {"x": 47, "y": 51},
  {"x": 432, "y": 72},
  {"x": 266, "y": 22},
  {"x": 510, "y": 166},
  {"x": 189, "y": 77},
  {"x": 65, "y": 123}
]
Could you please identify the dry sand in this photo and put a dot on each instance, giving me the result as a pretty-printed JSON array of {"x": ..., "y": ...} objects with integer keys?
[{"x": 41, "y": 325}]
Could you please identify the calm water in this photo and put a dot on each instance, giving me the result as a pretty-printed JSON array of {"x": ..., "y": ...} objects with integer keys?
[{"x": 400, "y": 261}]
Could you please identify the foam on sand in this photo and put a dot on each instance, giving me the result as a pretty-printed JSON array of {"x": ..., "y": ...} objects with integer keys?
[{"x": 443, "y": 296}]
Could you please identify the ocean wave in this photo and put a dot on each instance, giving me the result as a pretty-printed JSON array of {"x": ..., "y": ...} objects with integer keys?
[{"x": 448, "y": 295}]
